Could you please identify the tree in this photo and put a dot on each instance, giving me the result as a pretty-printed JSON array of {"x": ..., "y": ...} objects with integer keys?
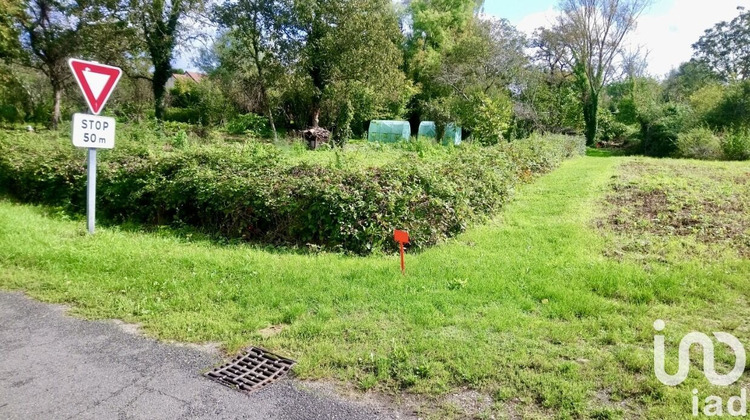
[
  {"x": 549, "y": 100},
  {"x": 437, "y": 26},
  {"x": 51, "y": 32},
  {"x": 590, "y": 34},
  {"x": 689, "y": 78},
  {"x": 256, "y": 41},
  {"x": 160, "y": 25},
  {"x": 10, "y": 12},
  {"x": 348, "y": 47},
  {"x": 726, "y": 48},
  {"x": 474, "y": 81}
]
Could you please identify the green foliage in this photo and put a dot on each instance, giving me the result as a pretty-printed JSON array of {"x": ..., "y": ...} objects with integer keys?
[
  {"x": 661, "y": 126},
  {"x": 706, "y": 100},
  {"x": 9, "y": 43},
  {"x": 611, "y": 129},
  {"x": 736, "y": 145},
  {"x": 688, "y": 79},
  {"x": 254, "y": 194},
  {"x": 490, "y": 118},
  {"x": 465, "y": 78},
  {"x": 338, "y": 60},
  {"x": 699, "y": 143},
  {"x": 550, "y": 103},
  {"x": 725, "y": 48},
  {"x": 733, "y": 111},
  {"x": 256, "y": 125},
  {"x": 634, "y": 97},
  {"x": 203, "y": 103},
  {"x": 182, "y": 115},
  {"x": 343, "y": 130}
]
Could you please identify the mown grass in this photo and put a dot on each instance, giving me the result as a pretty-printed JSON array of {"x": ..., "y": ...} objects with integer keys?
[{"x": 528, "y": 309}]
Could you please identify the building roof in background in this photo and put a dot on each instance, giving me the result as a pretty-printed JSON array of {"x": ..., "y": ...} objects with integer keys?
[{"x": 189, "y": 76}]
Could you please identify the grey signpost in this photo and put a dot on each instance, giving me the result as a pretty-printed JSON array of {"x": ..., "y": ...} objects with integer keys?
[
  {"x": 91, "y": 131},
  {"x": 91, "y": 190}
]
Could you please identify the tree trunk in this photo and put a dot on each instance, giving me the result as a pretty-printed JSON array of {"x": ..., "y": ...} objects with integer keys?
[
  {"x": 316, "y": 114},
  {"x": 56, "y": 114},
  {"x": 159, "y": 107},
  {"x": 273, "y": 125},
  {"x": 590, "y": 108},
  {"x": 158, "y": 85}
]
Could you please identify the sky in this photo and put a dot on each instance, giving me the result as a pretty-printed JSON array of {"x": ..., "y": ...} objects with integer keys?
[{"x": 667, "y": 29}]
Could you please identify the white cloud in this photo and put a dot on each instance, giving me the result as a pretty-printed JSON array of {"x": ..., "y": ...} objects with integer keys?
[
  {"x": 668, "y": 35},
  {"x": 532, "y": 22}
]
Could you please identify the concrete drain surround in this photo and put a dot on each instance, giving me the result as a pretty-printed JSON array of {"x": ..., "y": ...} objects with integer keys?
[{"x": 252, "y": 371}]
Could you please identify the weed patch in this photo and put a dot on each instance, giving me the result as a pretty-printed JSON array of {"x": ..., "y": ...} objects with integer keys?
[{"x": 703, "y": 206}]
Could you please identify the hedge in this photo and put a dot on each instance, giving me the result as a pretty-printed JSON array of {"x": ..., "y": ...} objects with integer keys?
[{"x": 258, "y": 196}]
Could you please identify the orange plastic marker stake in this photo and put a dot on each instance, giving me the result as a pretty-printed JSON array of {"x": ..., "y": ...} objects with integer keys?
[{"x": 402, "y": 238}]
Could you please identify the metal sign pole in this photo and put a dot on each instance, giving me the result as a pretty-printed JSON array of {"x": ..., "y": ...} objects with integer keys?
[
  {"x": 91, "y": 190},
  {"x": 93, "y": 131}
]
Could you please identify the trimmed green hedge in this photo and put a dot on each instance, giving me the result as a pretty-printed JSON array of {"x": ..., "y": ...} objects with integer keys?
[{"x": 255, "y": 194}]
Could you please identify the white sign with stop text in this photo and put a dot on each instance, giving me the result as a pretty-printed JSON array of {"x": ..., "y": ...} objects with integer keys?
[{"x": 93, "y": 131}]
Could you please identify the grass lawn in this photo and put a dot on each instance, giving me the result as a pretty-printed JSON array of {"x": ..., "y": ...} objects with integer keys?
[{"x": 546, "y": 311}]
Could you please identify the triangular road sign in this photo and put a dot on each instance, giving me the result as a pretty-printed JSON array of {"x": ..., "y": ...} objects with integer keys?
[{"x": 97, "y": 81}]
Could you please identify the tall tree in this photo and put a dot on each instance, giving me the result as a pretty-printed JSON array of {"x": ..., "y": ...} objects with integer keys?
[
  {"x": 161, "y": 24},
  {"x": 550, "y": 102},
  {"x": 591, "y": 33},
  {"x": 345, "y": 41},
  {"x": 10, "y": 12},
  {"x": 254, "y": 46},
  {"x": 435, "y": 28},
  {"x": 51, "y": 32},
  {"x": 480, "y": 71},
  {"x": 687, "y": 79},
  {"x": 726, "y": 47}
]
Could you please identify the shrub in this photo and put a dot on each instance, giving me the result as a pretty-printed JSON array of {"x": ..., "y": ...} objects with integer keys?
[
  {"x": 736, "y": 145},
  {"x": 255, "y": 124},
  {"x": 253, "y": 193},
  {"x": 182, "y": 115},
  {"x": 198, "y": 103},
  {"x": 733, "y": 111},
  {"x": 10, "y": 113},
  {"x": 343, "y": 129},
  {"x": 491, "y": 118},
  {"x": 661, "y": 127},
  {"x": 699, "y": 143},
  {"x": 611, "y": 129}
]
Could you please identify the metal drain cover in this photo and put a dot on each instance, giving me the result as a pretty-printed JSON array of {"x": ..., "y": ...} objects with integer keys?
[{"x": 252, "y": 371}]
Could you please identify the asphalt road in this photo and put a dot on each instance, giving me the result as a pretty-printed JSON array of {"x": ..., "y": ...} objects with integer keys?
[{"x": 53, "y": 366}]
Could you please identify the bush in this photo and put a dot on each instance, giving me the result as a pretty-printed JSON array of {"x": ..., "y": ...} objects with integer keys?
[
  {"x": 490, "y": 118},
  {"x": 699, "y": 143},
  {"x": 10, "y": 114},
  {"x": 611, "y": 129},
  {"x": 182, "y": 115},
  {"x": 736, "y": 145},
  {"x": 256, "y": 125},
  {"x": 733, "y": 110},
  {"x": 254, "y": 194},
  {"x": 199, "y": 103},
  {"x": 661, "y": 127}
]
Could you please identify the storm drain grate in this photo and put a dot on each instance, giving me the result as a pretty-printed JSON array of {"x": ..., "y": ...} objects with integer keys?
[{"x": 252, "y": 371}]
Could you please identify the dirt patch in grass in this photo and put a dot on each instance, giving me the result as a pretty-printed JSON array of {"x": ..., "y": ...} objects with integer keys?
[
  {"x": 703, "y": 206},
  {"x": 271, "y": 330}
]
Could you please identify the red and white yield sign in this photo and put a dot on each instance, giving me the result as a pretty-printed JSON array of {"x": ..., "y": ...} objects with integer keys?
[{"x": 97, "y": 81}]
